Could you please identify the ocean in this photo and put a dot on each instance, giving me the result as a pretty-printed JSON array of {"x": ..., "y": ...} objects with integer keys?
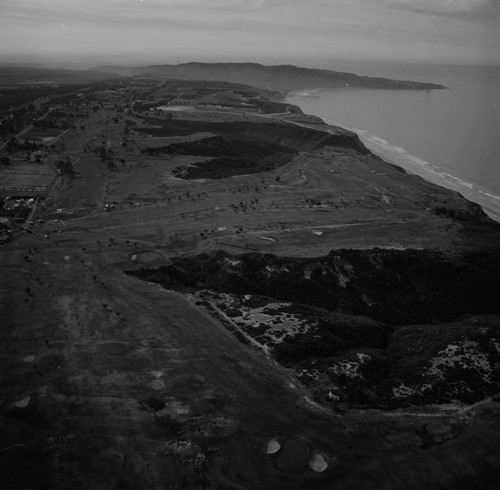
[{"x": 450, "y": 137}]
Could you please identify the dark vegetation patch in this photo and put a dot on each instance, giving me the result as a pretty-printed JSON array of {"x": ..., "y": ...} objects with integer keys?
[
  {"x": 462, "y": 351},
  {"x": 392, "y": 286},
  {"x": 152, "y": 404},
  {"x": 232, "y": 156},
  {"x": 16, "y": 96},
  {"x": 270, "y": 107},
  {"x": 471, "y": 213},
  {"x": 334, "y": 334}
]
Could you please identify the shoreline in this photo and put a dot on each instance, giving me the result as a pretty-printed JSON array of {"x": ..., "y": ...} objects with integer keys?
[
  {"x": 490, "y": 203},
  {"x": 397, "y": 155}
]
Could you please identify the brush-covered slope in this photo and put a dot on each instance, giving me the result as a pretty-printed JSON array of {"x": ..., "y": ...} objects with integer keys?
[{"x": 376, "y": 327}]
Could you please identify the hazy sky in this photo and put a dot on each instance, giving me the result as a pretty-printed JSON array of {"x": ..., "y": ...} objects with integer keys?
[{"x": 301, "y": 32}]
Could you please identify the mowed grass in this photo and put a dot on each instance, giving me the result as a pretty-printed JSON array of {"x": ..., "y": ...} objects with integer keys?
[
  {"x": 23, "y": 175},
  {"x": 332, "y": 199}
]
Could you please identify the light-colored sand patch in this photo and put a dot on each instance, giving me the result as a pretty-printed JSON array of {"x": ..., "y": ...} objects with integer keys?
[
  {"x": 29, "y": 358},
  {"x": 403, "y": 391},
  {"x": 278, "y": 324},
  {"x": 463, "y": 354},
  {"x": 232, "y": 262},
  {"x": 318, "y": 463},
  {"x": 448, "y": 363},
  {"x": 24, "y": 402},
  {"x": 273, "y": 446},
  {"x": 316, "y": 232},
  {"x": 351, "y": 368},
  {"x": 176, "y": 108}
]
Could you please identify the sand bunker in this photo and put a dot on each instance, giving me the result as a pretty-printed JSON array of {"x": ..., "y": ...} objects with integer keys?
[
  {"x": 176, "y": 108},
  {"x": 24, "y": 402},
  {"x": 318, "y": 463},
  {"x": 273, "y": 446},
  {"x": 29, "y": 358}
]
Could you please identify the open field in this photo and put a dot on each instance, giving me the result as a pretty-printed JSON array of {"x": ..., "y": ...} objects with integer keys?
[
  {"x": 315, "y": 206},
  {"x": 108, "y": 381},
  {"x": 20, "y": 177}
]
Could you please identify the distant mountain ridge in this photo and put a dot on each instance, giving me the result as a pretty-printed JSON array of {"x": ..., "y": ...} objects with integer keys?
[
  {"x": 283, "y": 78},
  {"x": 22, "y": 73}
]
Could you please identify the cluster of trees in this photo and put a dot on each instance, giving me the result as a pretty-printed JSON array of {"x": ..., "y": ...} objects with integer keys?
[
  {"x": 8, "y": 126},
  {"x": 65, "y": 167},
  {"x": 15, "y": 145},
  {"x": 11, "y": 145}
]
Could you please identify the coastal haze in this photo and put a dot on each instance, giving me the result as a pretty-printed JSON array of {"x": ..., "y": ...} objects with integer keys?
[{"x": 249, "y": 245}]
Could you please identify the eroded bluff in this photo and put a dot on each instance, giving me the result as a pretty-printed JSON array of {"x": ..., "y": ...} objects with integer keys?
[{"x": 372, "y": 327}]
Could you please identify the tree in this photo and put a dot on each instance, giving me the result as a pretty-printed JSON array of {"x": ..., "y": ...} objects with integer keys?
[
  {"x": 11, "y": 144},
  {"x": 65, "y": 167},
  {"x": 102, "y": 153}
]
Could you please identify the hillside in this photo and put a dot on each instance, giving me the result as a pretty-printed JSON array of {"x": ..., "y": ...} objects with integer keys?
[{"x": 283, "y": 78}]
